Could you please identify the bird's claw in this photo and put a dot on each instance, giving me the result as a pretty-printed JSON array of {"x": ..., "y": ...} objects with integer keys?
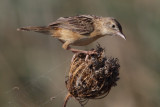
[{"x": 90, "y": 53}]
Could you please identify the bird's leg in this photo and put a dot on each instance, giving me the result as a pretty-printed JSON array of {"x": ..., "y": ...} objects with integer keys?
[
  {"x": 67, "y": 47},
  {"x": 86, "y": 58}
]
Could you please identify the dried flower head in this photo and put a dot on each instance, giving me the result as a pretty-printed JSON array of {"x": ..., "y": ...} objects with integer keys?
[{"x": 91, "y": 78}]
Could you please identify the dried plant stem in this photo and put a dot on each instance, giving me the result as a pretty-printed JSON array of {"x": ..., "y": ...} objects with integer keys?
[{"x": 66, "y": 99}]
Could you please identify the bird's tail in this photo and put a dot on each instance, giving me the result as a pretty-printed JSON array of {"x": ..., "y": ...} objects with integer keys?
[{"x": 40, "y": 29}]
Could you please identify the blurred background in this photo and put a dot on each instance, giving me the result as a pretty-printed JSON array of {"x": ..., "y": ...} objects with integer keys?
[{"x": 33, "y": 66}]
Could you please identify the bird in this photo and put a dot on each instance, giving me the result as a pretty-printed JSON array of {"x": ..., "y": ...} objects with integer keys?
[{"x": 79, "y": 30}]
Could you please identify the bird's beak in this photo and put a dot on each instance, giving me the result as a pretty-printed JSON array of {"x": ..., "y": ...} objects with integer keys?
[{"x": 121, "y": 35}]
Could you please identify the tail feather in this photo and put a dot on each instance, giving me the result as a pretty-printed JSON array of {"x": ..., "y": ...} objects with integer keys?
[{"x": 41, "y": 29}]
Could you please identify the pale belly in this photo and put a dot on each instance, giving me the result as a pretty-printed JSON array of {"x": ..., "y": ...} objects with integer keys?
[{"x": 75, "y": 38}]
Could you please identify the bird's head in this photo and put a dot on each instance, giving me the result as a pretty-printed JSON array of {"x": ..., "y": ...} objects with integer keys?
[{"x": 112, "y": 27}]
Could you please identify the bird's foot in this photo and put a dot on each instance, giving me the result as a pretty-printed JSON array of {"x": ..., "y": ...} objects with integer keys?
[
  {"x": 83, "y": 51},
  {"x": 90, "y": 53}
]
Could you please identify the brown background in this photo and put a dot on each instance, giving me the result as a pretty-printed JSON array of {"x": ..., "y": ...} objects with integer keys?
[{"x": 33, "y": 66}]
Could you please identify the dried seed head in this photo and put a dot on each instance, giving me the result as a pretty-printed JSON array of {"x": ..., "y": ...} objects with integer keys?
[{"x": 92, "y": 78}]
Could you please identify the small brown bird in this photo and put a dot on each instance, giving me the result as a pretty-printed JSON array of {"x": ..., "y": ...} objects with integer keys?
[{"x": 79, "y": 30}]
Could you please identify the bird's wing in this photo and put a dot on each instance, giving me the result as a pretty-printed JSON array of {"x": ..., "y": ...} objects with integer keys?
[{"x": 82, "y": 24}]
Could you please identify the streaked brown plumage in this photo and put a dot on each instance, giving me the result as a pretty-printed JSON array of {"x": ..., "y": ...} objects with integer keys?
[{"x": 79, "y": 30}]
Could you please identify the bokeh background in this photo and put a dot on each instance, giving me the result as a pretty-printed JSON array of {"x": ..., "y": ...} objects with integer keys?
[{"x": 33, "y": 66}]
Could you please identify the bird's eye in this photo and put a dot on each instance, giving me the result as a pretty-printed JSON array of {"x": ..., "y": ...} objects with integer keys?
[{"x": 113, "y": 26}]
